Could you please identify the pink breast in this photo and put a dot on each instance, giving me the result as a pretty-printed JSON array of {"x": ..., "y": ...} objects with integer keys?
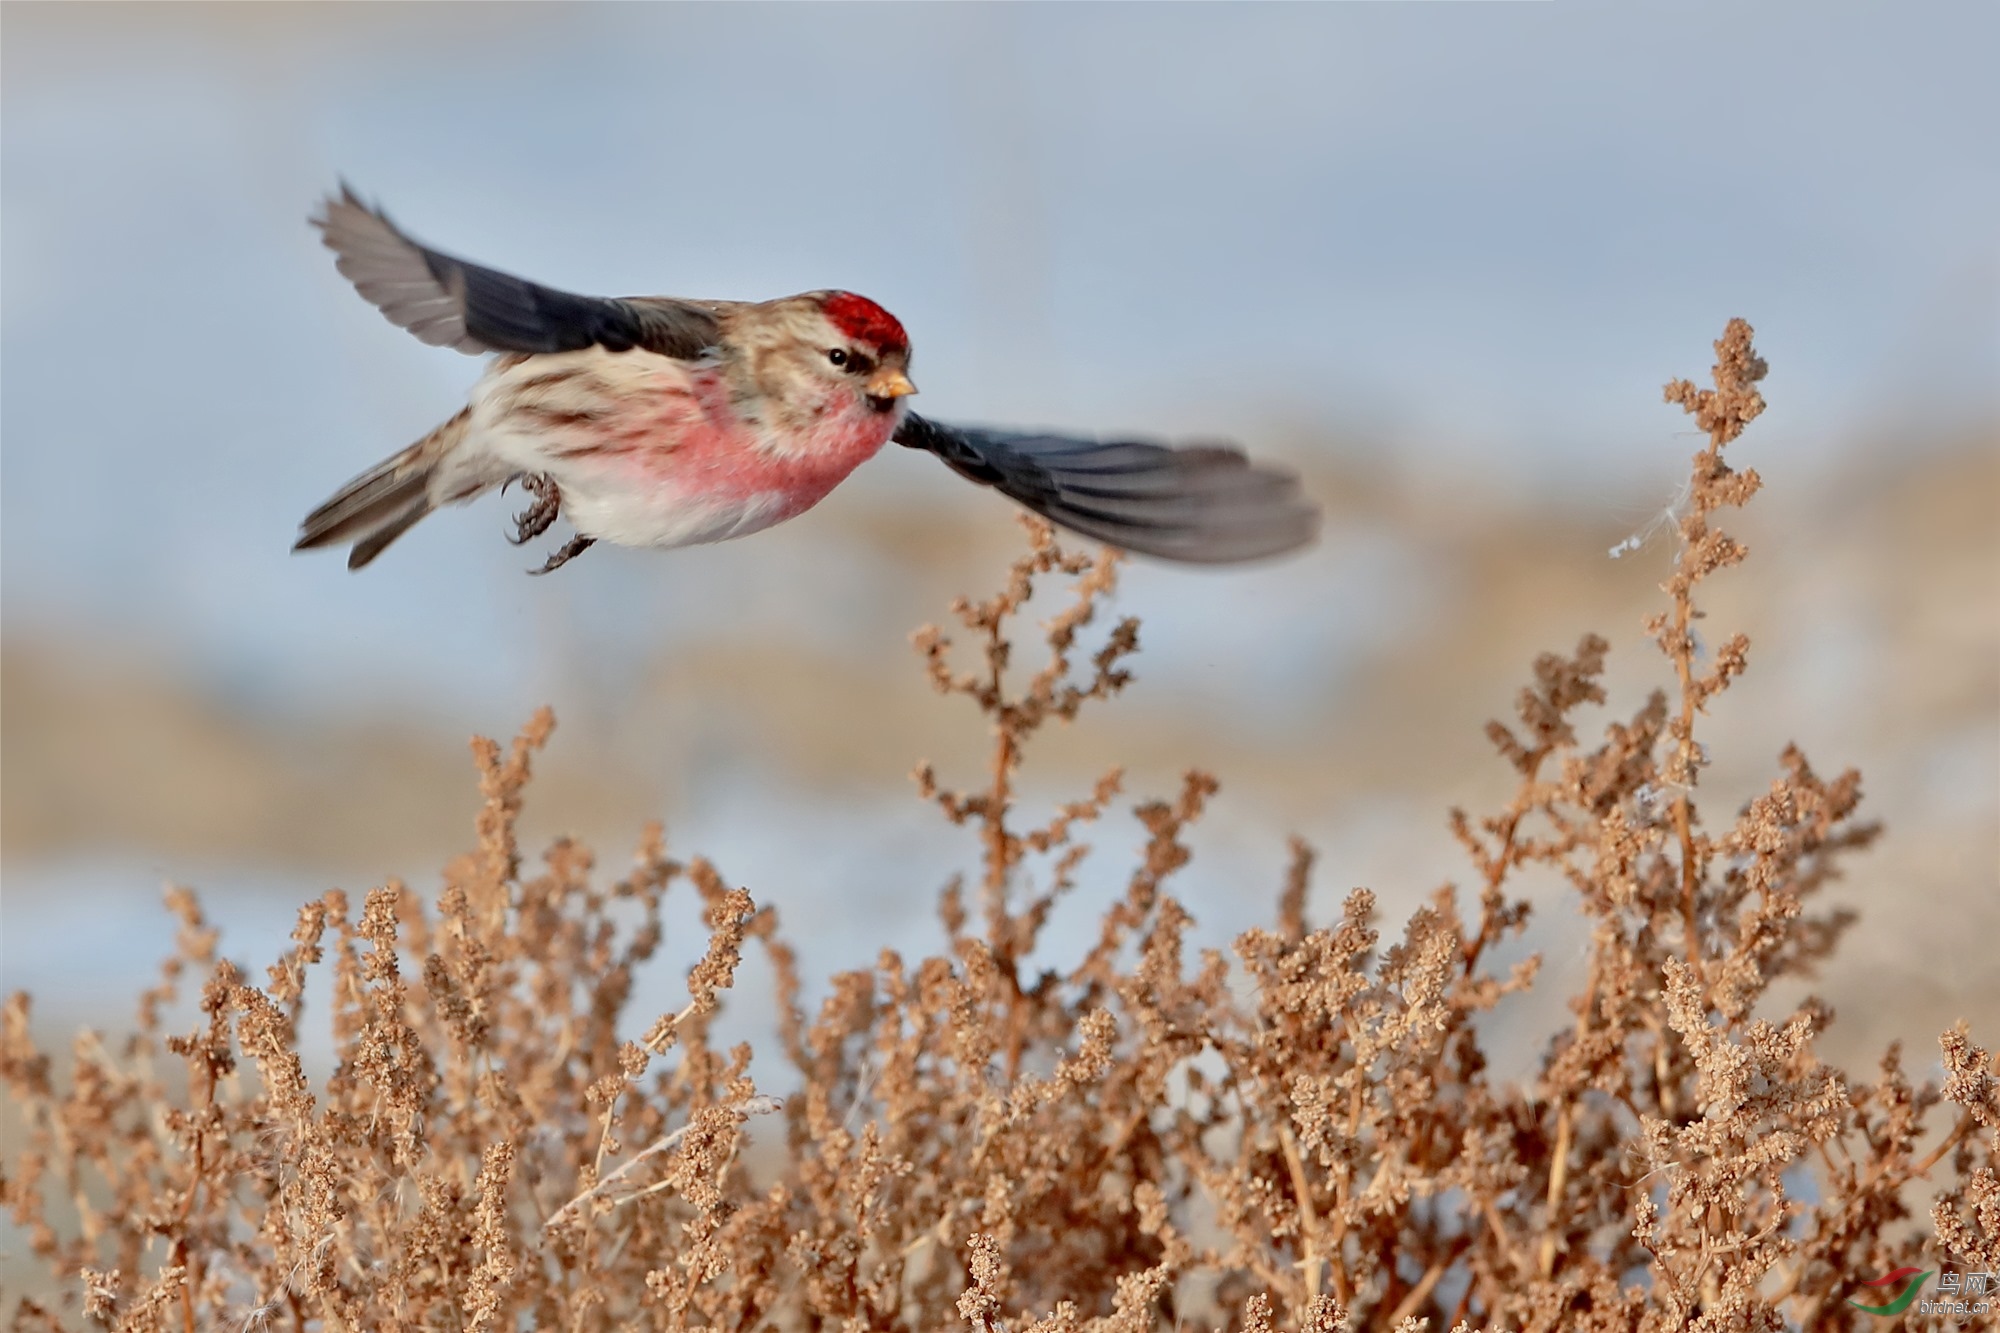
[{"x": 696, "y": 446}]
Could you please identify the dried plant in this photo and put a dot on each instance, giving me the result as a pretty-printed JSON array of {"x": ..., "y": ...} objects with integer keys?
[{"x": 1305, "y": 1135}]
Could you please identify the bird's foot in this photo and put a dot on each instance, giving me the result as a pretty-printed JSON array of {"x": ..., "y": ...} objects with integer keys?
[
  {"x": 533, "y": 521},
  {"x": 570, "y": 549}
]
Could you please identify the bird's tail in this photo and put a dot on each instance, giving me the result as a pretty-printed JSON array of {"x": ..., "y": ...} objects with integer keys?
[{"x": 384, "y": 502}]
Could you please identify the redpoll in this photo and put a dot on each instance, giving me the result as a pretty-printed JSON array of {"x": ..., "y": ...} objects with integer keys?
[{"x": 658, "y": 421}]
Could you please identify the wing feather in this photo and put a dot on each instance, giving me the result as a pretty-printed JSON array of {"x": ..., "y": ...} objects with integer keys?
[
  {"x": 1202, "y": 504},
  {"x": 448, "y": 302}
]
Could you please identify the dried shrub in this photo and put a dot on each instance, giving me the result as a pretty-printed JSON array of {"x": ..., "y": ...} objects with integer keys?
[{"x": 1305, "y": 1135}]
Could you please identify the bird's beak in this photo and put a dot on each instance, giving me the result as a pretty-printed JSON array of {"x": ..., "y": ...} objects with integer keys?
[{"x": 890, "y": 383}]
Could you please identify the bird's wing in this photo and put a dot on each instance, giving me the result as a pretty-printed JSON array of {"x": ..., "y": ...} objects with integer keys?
[
  {"x": 447, "y": 302},
  {"x": 1203, "y": 504}
]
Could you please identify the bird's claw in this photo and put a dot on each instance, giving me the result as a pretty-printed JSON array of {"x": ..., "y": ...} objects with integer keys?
[
  {"x": 533, "y": 521},
  {"x": 569, "y": 550}
]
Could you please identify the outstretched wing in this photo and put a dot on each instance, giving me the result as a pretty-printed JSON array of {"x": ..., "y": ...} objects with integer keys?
[
  {"x": 449, "y": 303},
  {"x": 1203, "y": 504}
]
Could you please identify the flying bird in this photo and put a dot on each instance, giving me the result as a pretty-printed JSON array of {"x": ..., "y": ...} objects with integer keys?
[{"x": 661, "y": 421}]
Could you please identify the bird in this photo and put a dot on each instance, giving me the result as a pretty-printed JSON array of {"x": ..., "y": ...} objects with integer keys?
[{"x": 659, "y": 421}]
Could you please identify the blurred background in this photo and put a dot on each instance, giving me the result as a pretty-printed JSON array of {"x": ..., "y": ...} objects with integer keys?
[{"x": 1440, "y": 258}]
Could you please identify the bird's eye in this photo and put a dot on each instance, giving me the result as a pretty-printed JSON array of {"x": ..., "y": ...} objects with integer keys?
[{"x": 838, "y": 356}]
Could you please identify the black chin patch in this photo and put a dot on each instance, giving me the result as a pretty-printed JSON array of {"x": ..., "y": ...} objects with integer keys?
[{"x": 881, "y": 404}]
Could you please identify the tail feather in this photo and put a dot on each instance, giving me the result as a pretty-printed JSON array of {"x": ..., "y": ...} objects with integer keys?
[
  {"x": 379, "y": 538},
  {"x": 377, "y": 496},
  {"x": 382, "y": 503}
]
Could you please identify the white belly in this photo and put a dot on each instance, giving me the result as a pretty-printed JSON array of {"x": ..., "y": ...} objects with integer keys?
[{"x": 660, "y": 518}]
